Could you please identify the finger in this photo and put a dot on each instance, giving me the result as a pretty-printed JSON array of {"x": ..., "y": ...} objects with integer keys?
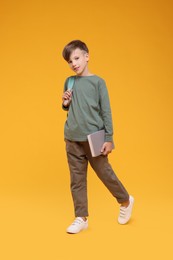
[
  {"x": 104, "y": 151},
  {"x": 103, "y": 148},
  {"x": 69, "y": 92},
  {"x": 66, "y": 96}
]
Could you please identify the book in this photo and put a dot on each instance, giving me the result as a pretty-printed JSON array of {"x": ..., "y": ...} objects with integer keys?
[{"x": 96, "y": 141}]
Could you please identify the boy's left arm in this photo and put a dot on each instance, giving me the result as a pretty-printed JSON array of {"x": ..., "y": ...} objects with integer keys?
[{"x": 107, "y": 119}]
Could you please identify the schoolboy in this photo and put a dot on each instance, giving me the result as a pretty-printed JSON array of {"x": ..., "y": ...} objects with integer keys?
[{"x": 89, "y": 110}]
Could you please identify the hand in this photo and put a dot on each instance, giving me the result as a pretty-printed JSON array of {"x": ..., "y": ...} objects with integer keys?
[
  {"x": 66, "y": 98},
  {"x": 106, "y": 148}
]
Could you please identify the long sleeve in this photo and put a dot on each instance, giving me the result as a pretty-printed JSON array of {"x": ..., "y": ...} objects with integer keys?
[
  {"x": 105, "y": 111},
  {"x": 65, "y": 88}
]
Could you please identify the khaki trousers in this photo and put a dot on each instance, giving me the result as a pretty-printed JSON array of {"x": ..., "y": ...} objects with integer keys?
[{"x": 78, "y": 156}]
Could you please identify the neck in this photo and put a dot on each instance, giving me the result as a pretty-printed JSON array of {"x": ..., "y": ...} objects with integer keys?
[{"x": 86, "y": 73}]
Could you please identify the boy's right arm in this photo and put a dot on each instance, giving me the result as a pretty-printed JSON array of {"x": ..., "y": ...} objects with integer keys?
[
  {"x": 65, "y": 105},
  {"x": 66, "y": 99}
]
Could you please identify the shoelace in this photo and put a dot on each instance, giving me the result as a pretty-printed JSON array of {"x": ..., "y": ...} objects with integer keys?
[
  {"x": 77, "y": 221},
  {"x": 122, "y": 212}
]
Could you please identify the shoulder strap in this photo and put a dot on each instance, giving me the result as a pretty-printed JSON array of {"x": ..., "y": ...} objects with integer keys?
[{"x": 70, "y": 82}]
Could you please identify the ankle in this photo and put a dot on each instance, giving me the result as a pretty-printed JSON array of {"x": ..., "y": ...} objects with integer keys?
[
  {"x": 125, "y": 204},
  {"x": 84, "y": 218}
]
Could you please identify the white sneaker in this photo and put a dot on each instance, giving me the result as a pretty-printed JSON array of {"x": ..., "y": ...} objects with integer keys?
[
  {"x": 125, "y": 212},
  {"x": 78, "y": 225}
]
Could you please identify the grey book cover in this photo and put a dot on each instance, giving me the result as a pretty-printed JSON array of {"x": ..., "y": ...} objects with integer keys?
[{"x": 96, "y": 141}]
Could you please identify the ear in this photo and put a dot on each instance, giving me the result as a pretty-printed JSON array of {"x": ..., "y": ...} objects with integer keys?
[{"x": 87, "y": 56}]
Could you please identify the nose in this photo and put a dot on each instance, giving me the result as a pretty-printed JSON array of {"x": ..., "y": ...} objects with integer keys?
[{"x": 74, "y": 64}]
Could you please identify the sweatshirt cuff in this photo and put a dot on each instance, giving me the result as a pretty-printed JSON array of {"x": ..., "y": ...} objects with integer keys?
[
  {"x": 108, "y": 138},
  {"x": 65, "y": 108}
]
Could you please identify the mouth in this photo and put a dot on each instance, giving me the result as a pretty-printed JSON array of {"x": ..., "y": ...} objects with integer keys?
[{"x": 76, "y": 69}]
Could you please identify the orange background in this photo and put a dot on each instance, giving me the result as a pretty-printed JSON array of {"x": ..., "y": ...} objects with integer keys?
[{"x": 130, "y": 46}]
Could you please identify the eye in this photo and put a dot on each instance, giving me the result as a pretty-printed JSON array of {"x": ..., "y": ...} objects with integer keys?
[{"x": 76, "y": 58}]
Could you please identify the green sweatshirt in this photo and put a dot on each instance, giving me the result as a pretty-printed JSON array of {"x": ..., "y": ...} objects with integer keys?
[{"x": 89, "y": 110}]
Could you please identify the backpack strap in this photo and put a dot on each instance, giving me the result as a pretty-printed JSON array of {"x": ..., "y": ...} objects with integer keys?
[{"x": 70, "y": 82}]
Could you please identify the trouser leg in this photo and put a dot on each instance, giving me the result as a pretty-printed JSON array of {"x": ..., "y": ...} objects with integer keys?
[
  {"x": 78, "y": 163},
  {"x": 106, "y": 174}
]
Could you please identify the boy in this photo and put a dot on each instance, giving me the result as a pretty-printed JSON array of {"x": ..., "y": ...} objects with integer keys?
[{"x": 88, "y": 111}]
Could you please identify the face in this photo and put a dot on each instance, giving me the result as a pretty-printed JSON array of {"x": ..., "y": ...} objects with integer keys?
[{"x": 78, "y": 62}]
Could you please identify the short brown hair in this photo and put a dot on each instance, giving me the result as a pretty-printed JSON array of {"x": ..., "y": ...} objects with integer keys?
[{"x": 71, "y": 46}]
